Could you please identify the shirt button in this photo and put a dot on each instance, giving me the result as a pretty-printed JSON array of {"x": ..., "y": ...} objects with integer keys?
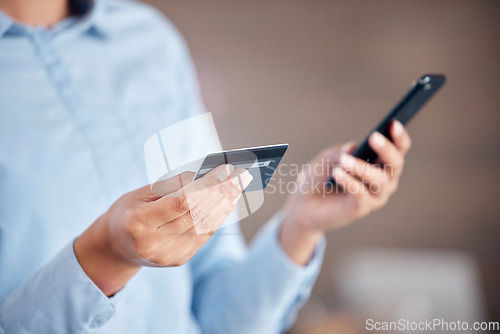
[
  {"x": 99, "y": 320},
  {"x": 96, "y": 323}
]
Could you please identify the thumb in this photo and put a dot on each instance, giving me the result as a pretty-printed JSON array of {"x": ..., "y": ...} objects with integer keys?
[{"x": 161, "y": 188}]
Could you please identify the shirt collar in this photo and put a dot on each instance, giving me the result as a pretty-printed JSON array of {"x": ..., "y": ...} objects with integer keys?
[
  {"x": 94, "y": 21},
  {"x": 92, "y": 18}
]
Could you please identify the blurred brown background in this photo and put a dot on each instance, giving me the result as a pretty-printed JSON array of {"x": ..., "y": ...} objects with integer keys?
[{"x": 314, "y": 73}]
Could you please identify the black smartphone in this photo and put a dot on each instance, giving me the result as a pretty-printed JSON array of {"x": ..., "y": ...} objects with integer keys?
[{"x": 422, "y": 90}]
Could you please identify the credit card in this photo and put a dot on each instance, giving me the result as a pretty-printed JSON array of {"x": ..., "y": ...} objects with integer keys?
[{"x": 260, "y": 161}]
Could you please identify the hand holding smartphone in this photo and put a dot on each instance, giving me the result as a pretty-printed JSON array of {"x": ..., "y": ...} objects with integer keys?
[{"x": 422, "y": 90}]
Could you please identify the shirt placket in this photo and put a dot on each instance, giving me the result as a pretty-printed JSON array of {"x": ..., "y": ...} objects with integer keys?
[{"x": 68, "y": 93}]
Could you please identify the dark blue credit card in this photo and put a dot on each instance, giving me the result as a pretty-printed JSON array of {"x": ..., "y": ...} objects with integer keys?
[{"x": 261, "y": 162}]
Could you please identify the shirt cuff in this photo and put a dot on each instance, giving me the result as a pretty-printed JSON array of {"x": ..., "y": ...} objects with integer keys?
[{"x": 60, "y": 297}]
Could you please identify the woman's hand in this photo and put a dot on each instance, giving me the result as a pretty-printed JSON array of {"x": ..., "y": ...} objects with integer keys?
[
  {"x": 361, "y": 188},
  {"x": 146, "y": 229}
]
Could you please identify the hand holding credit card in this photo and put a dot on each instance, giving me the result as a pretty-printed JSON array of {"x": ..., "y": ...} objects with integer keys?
[{"x": 260, "y": 161}]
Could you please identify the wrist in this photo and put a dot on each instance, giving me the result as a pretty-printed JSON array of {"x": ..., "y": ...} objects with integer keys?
[
  {"x": 97, "y": 257},
  {"x": 299, "y": 240}
]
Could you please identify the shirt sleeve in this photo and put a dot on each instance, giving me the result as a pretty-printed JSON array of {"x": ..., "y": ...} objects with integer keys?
[
  {"x": 59, "y": 298},
  {"x": 259, "y": 291}
]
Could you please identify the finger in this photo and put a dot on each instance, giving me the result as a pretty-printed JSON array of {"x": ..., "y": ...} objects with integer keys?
[
  {"x": 185, "y": 246},
  {"x": 226, "y": 192},
  {"x": 400, "y": 137},
  {"x": 180, "y": 250},
  {"x": 194, "y": 238},
  {"x": 349, "y": 147},
  {"x": 178, "y": 203},
  {"x": 320, "y": 168},
  {"x": 349, "y": 183},
  {"x": 241, "y": 177},
  {"x": 212, "y": 221},
  {"x": 371, "y": 174},
  {"x": 387, "y": 153}
]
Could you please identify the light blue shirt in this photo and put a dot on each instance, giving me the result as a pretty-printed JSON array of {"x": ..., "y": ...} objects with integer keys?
[{"x": 77, "y": 104}]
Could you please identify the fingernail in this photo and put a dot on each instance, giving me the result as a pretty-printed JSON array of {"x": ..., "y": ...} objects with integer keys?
[
  {"x": 237, "y": 199},
  {"x": 223, "y": 172},
  {"x": 378, "y": 139},
  {"x": 347, "y": 161},
  {"x": 397, "y": 128},
  {"x": 247, "y": 178},
  {"x": 338, "y": 173},
  {"x": 242, "y": 180}
]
